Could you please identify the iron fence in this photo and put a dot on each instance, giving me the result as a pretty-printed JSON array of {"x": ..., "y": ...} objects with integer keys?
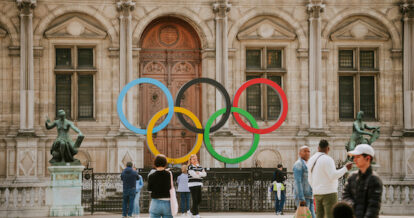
[{"x": 223, "y": 190}]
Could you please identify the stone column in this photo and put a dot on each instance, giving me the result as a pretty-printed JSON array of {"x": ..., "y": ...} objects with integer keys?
[
  {"x": 315, "y": 8},
  {"x": 407, "y": 9},
  {"x": 26, "y": 65},
  {"x": 125, "y": 55},
  {"x": 221, "y": 9}
]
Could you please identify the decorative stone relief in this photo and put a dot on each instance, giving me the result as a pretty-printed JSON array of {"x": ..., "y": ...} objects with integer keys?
[
  {"x": 127, "y": 158},
  {"x": 267, "y": 158},
  {"x": 75, "y": 27},
  {"x": 266, "y": 29},
  {"x": 410, "y": 164},
  {"x": 27, "y": 163},
  {"x": 360, "y": 30}
]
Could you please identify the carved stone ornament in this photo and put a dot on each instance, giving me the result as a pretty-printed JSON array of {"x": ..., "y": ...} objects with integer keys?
[
  {"x": 75, "y": 27},
  {"x": 360, "y": 30},
  {"x": 266, "y": 29}
]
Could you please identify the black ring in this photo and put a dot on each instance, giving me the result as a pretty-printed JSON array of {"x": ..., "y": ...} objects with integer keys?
[{"x": 223, "y": 91}]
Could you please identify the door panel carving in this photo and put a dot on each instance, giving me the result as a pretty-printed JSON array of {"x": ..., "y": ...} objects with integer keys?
[{"x": 170, "y": 53}]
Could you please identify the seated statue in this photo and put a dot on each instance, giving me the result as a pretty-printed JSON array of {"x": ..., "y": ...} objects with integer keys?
[
  {"x": 358, "y": 131},
  {"x": 63, "y": 149}
]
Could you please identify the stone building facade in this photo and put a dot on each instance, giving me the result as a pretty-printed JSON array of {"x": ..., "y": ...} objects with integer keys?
[{"x": 331, "y": 58}]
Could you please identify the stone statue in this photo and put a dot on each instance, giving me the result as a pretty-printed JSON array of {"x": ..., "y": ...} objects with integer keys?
[
  {"x": 63, "y": 149},
  {"x": 358, "y": 132}
]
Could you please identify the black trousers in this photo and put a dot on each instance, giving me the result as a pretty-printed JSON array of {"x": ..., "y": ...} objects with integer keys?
[{"x": 196, "y": 198}]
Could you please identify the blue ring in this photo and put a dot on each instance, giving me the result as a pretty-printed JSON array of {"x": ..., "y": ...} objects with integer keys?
[{"x": 153, "y": 82}]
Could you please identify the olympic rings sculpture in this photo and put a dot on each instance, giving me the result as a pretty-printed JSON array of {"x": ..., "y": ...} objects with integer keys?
[{"x": 203, "y": 133}]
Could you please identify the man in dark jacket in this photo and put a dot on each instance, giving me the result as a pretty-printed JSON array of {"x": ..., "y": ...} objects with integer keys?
[
  {"x": 280, "y": 177},
  {"x": 129, "y": 178},
  {"x": 364, "y": 188}
]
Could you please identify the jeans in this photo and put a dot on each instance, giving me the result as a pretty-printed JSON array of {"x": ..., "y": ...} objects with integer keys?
[
  {"x": 128, "y": 197},
  {"x": 185, "y": 201},
  {"x": 160, "y": 208},
  {"x": 309, "y": 204},
  {"x": 136, "y": 210},
  {"x": 196, "y": 197},
  {"x": 280, "y": 203},
  {"x": 324, "y": 205}
]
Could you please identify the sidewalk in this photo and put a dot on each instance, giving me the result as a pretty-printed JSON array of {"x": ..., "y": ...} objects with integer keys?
[{"x": 216, "y": 215}]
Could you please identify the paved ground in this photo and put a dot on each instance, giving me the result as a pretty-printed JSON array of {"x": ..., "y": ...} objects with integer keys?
[{"x": 218, "y": 215}]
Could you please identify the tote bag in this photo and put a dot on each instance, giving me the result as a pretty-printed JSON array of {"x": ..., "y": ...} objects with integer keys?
[
  {"x": 303, "y": 212},
  {"x": 173, "y": 198}
]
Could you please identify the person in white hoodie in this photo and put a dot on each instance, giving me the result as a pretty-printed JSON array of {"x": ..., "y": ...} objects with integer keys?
[{"x": 323, "y": 178}]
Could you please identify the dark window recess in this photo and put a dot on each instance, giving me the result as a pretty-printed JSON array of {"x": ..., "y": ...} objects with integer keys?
[
  {"x": 346, "y": 97},
  {"x": 253, "y": 96},
  {"x": 273, "y": 99},
  {"x": 85, "y": 57},
  {"x": 63, "y": 58},
  {"x": 85, "y": 96},
  {"x": 346, "y": 59},
  {"x": 366, "y": 60},
  {"x": 367, "y": 96},
  {"x": 274, "y": 59},
  {"x": 253, "y": 59},
  {"x": 63, "y": 94}
]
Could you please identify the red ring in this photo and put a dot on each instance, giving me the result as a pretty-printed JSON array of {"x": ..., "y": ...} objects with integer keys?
[{"x": 281, "y": 94}]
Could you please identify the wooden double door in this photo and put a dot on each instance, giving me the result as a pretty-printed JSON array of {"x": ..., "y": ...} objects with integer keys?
[{"x": 171, "y": 54}]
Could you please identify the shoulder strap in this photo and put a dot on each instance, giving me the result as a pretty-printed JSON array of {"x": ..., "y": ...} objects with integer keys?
[
  {"x": 315, "y": 162},
  {"x": 171, "y": 176}
]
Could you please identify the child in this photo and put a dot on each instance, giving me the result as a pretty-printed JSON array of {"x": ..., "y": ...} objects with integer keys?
[
  {"x": 184, "y": 191},
  {"x": 139, "y": 185}
]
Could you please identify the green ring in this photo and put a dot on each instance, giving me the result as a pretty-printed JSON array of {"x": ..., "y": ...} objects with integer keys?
[{"x": 210, "y": 148}]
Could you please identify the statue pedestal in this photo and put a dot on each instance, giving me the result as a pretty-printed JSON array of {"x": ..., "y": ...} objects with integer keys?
[{"x": 65, "y": 193}]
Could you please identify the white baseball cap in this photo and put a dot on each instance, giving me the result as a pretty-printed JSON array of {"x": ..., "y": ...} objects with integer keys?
[{"x": 362, "y": 149}]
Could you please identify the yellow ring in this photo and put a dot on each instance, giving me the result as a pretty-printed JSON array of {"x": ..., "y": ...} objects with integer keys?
[{"x": 151, "y": 125}]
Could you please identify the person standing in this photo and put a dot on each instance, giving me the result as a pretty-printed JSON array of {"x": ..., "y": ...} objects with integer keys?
[
  {"x": 279, "y": 177},
  {"x": 363, "y": 189},
  {"x": 182, "y": 181},
  {"x": 323, "y": 178},
  {"x": 138, "y": 187},
  {"x": 303, "y": 191},
  {"x": 129, "y": 178},
  {"x": 184, "y": 191},
  {"x": 195, "y": 182},
  {"x": 159, "y": 184}
]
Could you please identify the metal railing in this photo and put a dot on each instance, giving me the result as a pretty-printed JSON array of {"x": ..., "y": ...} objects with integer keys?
[{"x": 223, "y": 190}]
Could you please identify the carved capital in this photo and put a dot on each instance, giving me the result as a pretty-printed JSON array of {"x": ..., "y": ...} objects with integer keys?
[
  {"x": 221, "y": 8},
  {"x": 315, "y": 9},
  {"x": 407, "y": 9},
  {"x": 26, "y": 6},
  {"x": 125, "y": 6}
]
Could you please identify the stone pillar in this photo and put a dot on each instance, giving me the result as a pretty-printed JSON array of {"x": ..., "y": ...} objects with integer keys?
[
  {"x": 26, "y": 65},
  {"x": 125, "y": 55},
  {"x": 407, "y": 10},
  {"x": 315, "y": 66},
  {"x": 221, "y": 9}
]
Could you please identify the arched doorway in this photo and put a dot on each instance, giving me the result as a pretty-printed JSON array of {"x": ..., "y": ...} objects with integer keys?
[{"x": 170, "y": 53}]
